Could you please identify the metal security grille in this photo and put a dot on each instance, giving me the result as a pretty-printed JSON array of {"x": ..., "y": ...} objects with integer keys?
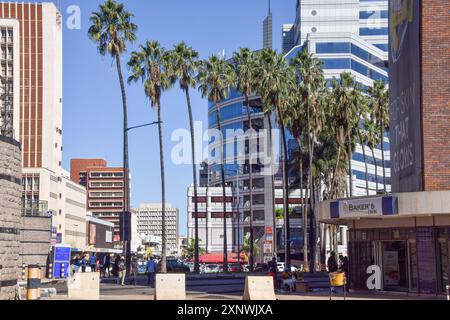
[{"x": 6, "y": 82}]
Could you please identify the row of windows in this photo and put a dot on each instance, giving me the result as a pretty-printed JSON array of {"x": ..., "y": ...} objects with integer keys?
[
  {"x": 345, "y": 63},
  {"x": 232, "y": 111},
  {"x": 383, "y": 31},
  {"x": 347, "y": 47},
  {"x": 360, "y": 157},
  {"x": 383, "y": 14},
  {"x": 106, "y": 184},
  {"x": 106, "y": 194},
  {"x": 105, "y": 204},
  {"x": 372, "y": 178},
  {"x": 106, "y": 174}
]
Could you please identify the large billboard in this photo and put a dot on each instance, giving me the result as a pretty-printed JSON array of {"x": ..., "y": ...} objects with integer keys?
[{"x": 405, "y": 96}]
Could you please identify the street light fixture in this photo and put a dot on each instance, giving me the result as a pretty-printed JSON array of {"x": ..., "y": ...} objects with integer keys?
[{"x": 127, "y": 243}]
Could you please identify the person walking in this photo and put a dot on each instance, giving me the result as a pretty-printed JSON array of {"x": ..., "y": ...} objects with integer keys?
[
  {"x": 272, "y": 269},
  {"x": 84, "y": 263},
  {"x": 343, "y": 267},
  {"x": 107, "y": 265},
  {"x": 332, "y": 263},
  {"x": 151, "y": 272},
  {"x": 122, "y": 271},
  {"x": 134, "y": 269},
  {"x": 93, "y": 262}
]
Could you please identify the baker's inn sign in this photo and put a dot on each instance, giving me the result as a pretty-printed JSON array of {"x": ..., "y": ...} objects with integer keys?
[{"x": 367, "y": 207}]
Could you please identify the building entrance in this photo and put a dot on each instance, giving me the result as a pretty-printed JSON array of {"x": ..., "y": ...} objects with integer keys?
[{"x": 394, "y": 256}]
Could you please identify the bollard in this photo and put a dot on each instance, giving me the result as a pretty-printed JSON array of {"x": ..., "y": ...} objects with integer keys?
[
  {"x": 34, "y": 283},
  {"x": 63, "y": 271},
  {"x": 50, "y": 271},
  {"x": 448, "y": 292},
  {"x": 24, "y": 269}
]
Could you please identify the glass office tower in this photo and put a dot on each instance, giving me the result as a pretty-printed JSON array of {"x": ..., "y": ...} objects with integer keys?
[{"x": 348, "y": 36}]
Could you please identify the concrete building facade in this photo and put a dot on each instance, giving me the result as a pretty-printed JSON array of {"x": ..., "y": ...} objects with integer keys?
[
  {"x": 104, "y": 189},
  {"x": 149, "y": 223}
]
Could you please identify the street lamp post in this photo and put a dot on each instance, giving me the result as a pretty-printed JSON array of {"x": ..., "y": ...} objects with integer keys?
[{"x": 126, "y": 241}]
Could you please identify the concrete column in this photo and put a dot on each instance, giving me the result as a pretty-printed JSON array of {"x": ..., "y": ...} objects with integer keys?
[{"x": 10, "y": 213}]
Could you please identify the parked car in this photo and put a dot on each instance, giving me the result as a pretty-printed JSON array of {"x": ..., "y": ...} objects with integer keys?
[
  {"x": 211, "y": 268},
  {"x": 281, "y": 267},
  {"x": 261, "y": 267},
  {"x": 235, "y": 267},
  {"x": 175, "y": 266},
  {"x": 191, "y": 266}
]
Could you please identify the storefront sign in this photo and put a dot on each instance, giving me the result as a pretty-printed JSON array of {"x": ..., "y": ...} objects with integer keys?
[
  {"x": 367, "y": 207},
  {"x": 405, "y": 96}
]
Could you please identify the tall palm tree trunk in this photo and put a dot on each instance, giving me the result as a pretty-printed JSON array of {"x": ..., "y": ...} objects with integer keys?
[
  {"x": 350, "y": 170},
  {"x": 194, "y": 173},
  {"x": 334, "y": 180},
  {"x": 382, "y": 155},
  {"x": 222, "y": 171},
  {"x": 163, "y": 193},
  {"x": 275, "y": 241},
  {"x": 304, "y": 216},
  {"x": 126, "y": 194},
  {"x": 311, "y": 201},
  {"x": 249, "y": 116},
  {"x": 376, "y": 169},
  {"x": 366, "y": 172},
  {"x": 287, "y": 229}
]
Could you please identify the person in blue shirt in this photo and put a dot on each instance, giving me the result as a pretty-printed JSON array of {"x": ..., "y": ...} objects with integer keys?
[
  {"x": 151, "y": 272},
  {"x": 93, "y": 262},
  {"x": 83, "y": 264}
]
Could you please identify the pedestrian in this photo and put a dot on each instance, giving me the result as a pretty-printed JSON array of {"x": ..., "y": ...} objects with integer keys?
[
  {"x": 93, "y": 262},
  {"x": 272, "y": 269},
  {"x": 332, "y": 263},
  {"x": 76, "y": 264},
  {"x": 106, "y": 265},
  {"x": 151, "y": 272},
  {"x": 134, "y": 269},
  {"x": 343, "y": 261},
  {"x": 122, "y": 271},
  {"x": 116, "y": 265},
  {"x": 84, "y": 263}
]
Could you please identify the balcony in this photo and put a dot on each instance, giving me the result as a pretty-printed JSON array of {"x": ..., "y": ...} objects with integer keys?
[{"x": 35, "y": 209}]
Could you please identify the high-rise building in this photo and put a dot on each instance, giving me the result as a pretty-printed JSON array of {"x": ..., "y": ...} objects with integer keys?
[
  {"x": 104, "y": 187},
  {"x": 31, "y": 83},
  {"x": 149, "y": 223},
  {"x": 210, "y": 218},
  {"x": 268, "y": 30},
  {"x": 288, "y": 37},
  {"x": 349, "y": 36}
]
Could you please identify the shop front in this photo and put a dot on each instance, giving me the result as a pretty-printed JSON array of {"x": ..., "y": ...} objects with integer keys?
[{"x": 406, "y": 235}]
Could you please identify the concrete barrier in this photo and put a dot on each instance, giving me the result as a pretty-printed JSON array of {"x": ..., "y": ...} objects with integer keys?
[
  {"x": 84, "y": 286},
  {"x": 259, "y": 288},
  {"x": 170, "y": 287}
]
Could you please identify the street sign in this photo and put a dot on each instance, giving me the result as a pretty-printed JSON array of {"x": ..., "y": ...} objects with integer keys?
[
  {"x": 61, "y": 255},
  {"x": 267, "y": 248}
]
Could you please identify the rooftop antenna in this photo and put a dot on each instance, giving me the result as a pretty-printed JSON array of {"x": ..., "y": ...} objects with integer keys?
[{"x": 270, "y": 11}]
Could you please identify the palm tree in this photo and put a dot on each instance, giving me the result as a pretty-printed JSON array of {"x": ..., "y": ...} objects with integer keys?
[
  {"x": 373, "y": 139},
  {"x": 307, "y": 117},
  {"x": 274, "y": 76},
  {"x": 244, "y": 67},
  {"x": 184, "y": 65},
  {"x": 216, "y": 77},
  {"x": 379, "y": 104},
  {"x": 112, "y": 29},
  {"x": 362, "y": 136},
  {"x": 344, "y": 104},
  {"x": 150, "y": 64}
]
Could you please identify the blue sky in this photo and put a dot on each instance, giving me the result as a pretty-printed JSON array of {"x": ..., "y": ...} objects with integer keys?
[{"x": 92, "y": 102}]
